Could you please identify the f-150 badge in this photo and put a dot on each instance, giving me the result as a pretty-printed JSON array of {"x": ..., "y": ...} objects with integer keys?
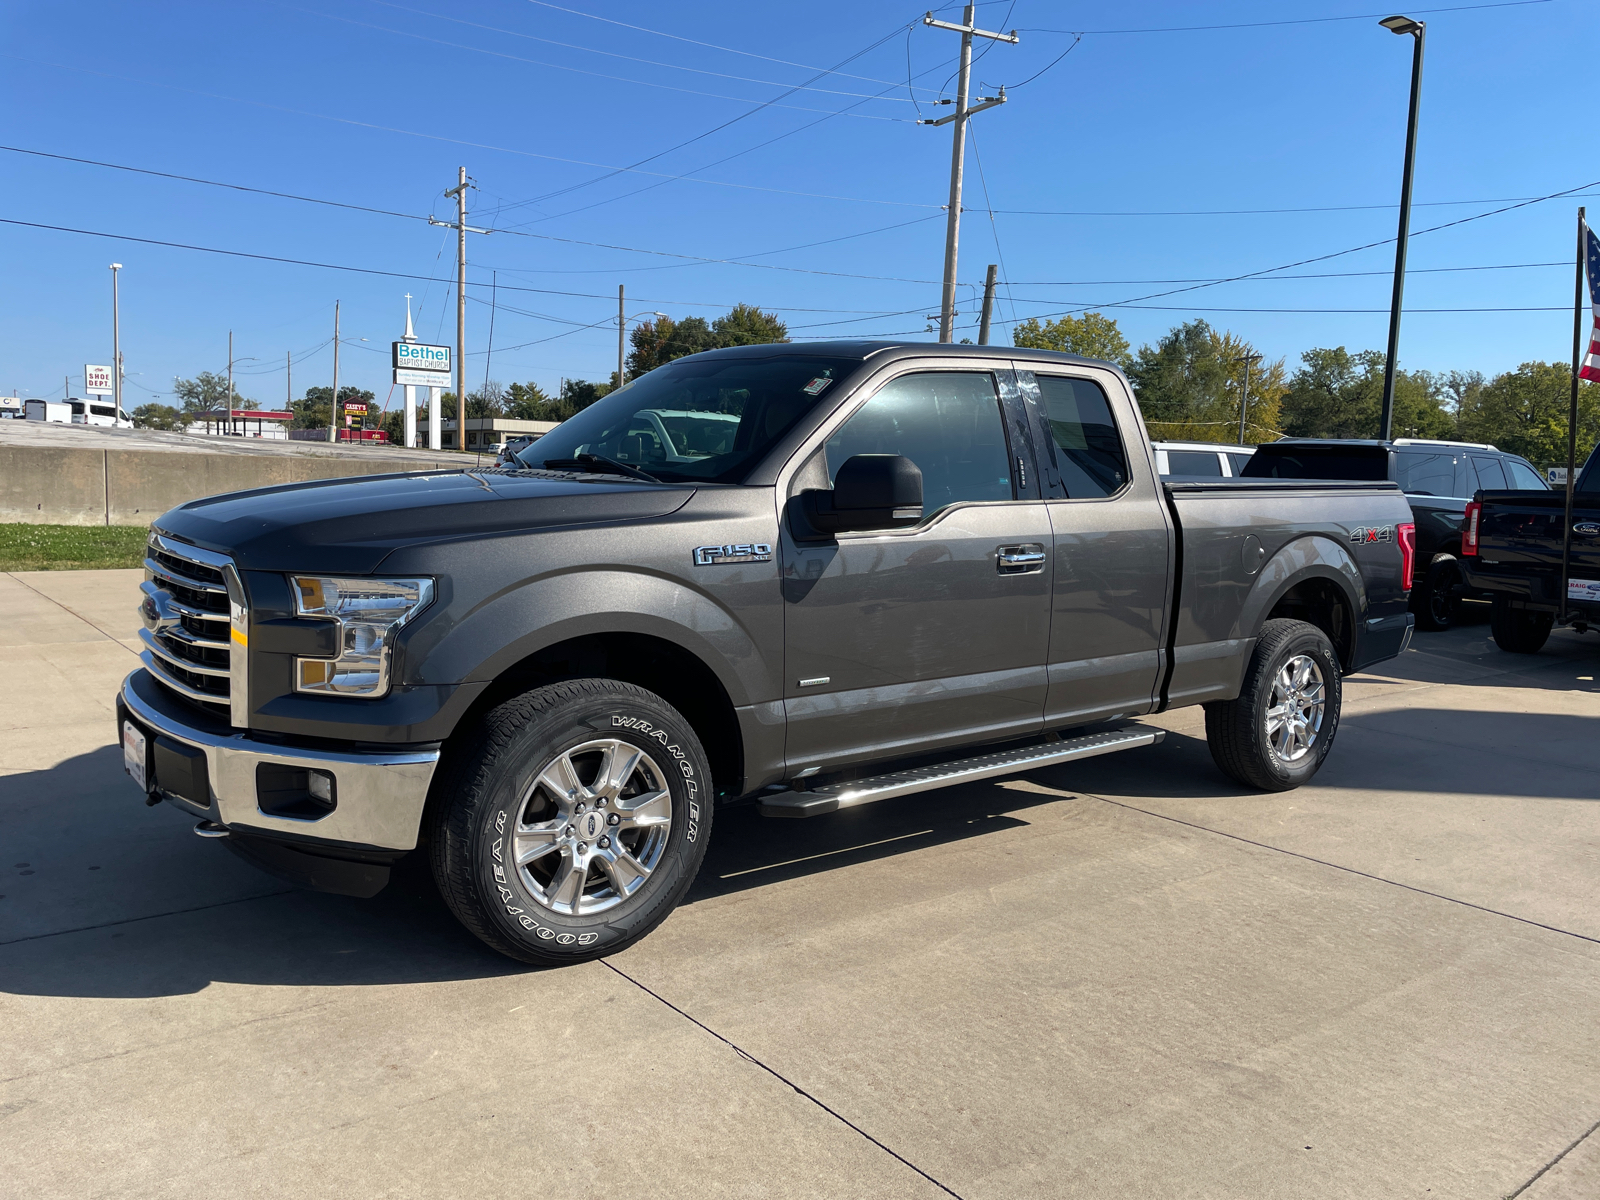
[
  {"x": 1371, "y": 533},
  {"x": 705, "y": 556}
]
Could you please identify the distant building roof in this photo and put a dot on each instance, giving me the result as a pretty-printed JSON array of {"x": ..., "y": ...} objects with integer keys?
[{"x": 254, "y": 414}]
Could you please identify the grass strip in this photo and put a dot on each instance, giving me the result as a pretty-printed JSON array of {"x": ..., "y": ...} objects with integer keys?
[{"x": 71, "y": 547}]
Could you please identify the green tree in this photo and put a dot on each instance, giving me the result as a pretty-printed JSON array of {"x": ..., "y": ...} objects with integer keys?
[
  {"x": 1092, "y": 335},
  {"x": 578, "y": 394},
  {"x": 312, "y": 411},
  {"x": 528, "y": 402},
  {"x": 1340, "y": 395},
  {"x": 747, "y": 325},
  {"x": 1189, "y": 384},
  {"x": 157, "y": 416},
  {"x": 1525, "y": 412},
  {"x": 662, "y": 340},
  {"x": 208, "y": 391},
  {"x": 487, "y": 401}
]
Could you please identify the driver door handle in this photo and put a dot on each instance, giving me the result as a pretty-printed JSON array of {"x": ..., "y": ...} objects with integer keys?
[{"x": 1027, "y": 559}]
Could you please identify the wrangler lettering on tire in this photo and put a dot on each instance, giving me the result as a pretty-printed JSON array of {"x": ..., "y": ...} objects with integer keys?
[{"x": 570, "y": 823}]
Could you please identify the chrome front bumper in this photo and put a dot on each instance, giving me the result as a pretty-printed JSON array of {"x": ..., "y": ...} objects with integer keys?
[{"x": 380, "y": 793}]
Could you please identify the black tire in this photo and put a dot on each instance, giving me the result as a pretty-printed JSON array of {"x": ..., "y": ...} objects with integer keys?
[
  {"x": 1517, "y": 630},
  {"x": 489, "y": 801},
  {"x": 1436, "y": 601},
  {"x": 1237, "y": 730}
]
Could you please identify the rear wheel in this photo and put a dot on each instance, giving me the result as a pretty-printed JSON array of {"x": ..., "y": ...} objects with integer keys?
[
  {"x": 1436, "y": 601},
  {"x": 1275, "y": 735},
  {"x": 571, "y": 821},
  {"x": 1518, "y": 630}
]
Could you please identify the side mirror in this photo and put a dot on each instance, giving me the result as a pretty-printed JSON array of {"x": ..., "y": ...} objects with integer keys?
[{"x": 871, "y": 491}]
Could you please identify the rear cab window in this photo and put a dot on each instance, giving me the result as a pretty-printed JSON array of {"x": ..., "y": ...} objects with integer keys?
[{"x": 1366, "y": 464}]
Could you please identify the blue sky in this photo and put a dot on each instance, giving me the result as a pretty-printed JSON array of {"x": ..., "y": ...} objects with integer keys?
[{"x": 377, "y": 104}]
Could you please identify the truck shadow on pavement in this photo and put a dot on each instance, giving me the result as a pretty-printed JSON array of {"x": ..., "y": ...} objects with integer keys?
[{"x": 165, "y": 913}]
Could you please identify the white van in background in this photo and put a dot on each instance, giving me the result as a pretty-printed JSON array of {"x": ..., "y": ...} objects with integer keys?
[
  {"x": 97, "y": 412},
  {"x": 59, "y": 411}
]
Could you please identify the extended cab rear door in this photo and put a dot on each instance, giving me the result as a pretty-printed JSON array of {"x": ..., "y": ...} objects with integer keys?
[{"x": 1111, "y": 546}]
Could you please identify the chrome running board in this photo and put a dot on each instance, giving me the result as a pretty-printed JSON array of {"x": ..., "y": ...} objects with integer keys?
[{"x": 947, "y": 774}]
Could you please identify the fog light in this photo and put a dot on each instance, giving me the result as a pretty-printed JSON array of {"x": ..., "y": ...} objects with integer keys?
[{"x": 320, "y": 786}]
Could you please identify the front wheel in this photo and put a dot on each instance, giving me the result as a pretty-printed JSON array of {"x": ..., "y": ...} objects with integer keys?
[
  {"x": 1275, "y": 735},
  {"x": 571, "y": 821}
]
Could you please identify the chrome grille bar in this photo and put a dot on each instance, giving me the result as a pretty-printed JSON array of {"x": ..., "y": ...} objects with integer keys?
[{"x": 187, "y": 593}]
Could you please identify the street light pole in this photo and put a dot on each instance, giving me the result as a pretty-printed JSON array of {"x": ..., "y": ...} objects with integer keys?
[
  {"x": 116, "y": 343},
  {"x": 1418, "y": 31}
]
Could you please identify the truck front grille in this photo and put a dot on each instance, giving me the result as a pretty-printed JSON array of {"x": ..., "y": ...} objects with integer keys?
[{"x": 195, "y": 626}]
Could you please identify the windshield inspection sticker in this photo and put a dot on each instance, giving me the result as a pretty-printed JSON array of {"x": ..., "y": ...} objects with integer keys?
[{"x": 817, "y": 386}]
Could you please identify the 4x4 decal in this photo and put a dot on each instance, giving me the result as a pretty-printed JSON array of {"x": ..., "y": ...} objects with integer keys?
[{"x": 1371, "y": 533}]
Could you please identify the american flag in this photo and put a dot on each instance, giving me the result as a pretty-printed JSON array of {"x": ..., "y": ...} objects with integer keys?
[{"x": 1591, "y": 361}]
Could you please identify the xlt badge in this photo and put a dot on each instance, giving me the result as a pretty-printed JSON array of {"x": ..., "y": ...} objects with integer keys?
[{"x": 705, "y": 556}]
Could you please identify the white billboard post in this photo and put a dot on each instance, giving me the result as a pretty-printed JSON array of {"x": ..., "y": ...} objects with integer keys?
[
  {"x": 419, "y": 365},
  {"x": 97, "y": 381}
]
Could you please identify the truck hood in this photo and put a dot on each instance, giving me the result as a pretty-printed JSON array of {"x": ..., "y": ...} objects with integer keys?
[{"x": 350, "y": 525}]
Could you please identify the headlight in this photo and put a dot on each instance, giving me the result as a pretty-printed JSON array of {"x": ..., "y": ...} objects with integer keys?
[{"x": 369, "y": 612}]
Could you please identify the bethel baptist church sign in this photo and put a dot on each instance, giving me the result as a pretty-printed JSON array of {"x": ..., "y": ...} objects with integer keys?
[{"x": 419, "y": 365}]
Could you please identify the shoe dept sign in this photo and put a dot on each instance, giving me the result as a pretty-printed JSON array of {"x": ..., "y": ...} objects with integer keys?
[{"x": 419, "y": 365}]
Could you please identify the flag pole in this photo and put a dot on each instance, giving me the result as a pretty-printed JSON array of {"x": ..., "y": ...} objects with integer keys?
[{"x": 1572, "y": 418}]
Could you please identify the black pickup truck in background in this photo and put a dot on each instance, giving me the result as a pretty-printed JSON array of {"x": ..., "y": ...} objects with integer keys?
[
  {"x": 1511, "y": 544},
  {"x": 1438, "y": 479}
]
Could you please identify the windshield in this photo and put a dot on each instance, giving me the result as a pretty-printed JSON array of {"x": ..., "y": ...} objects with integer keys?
[{"x": 705, "y": 419}]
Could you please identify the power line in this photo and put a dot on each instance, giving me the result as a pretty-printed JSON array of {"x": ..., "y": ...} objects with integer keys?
[
  {"x": 1275, "y": 278},
  {"x": 1286, "y": 21},
  {"x": 708, "y": 45},
  {"x": 434, "y": 137},
  {"x": 611, "y": 53},
  {"x": 702, "y": 136},
  {"x": 422, "y": 37}
]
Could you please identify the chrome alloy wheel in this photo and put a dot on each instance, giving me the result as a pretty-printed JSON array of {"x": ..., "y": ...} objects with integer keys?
[
  {"x": 592, "y": 827},
  {"x": 1295, "y": 708}
]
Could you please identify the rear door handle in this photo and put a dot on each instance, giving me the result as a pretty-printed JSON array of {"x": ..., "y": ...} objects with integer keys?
[{"x": 1026, "y": 559}]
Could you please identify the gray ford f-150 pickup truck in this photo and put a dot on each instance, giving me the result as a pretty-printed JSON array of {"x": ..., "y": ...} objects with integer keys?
[{"x": 807, "y": 577}]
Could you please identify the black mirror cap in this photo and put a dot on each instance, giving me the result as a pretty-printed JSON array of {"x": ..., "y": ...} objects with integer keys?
[{"x": 871, "y": 491}]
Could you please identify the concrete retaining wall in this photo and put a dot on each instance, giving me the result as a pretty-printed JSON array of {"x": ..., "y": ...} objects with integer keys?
[{"x": 58, "y": 486}]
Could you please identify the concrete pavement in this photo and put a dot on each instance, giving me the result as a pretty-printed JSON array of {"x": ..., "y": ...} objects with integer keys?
[{"x": 1119, "y": 977}]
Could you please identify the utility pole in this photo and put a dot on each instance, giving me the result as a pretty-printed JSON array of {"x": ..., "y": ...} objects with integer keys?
[
  {"x": 1244, "y": 392},
  {"x": 228, "y": 401},
  {"x": 116, "y": 343},
  {"x": 958, "y": 152},
  {"x": 622, "y": 324},
  {"x": 988, "y": 307},
  {"x": 288, "y": 380},
  {"x": 459, "y": 192},
  {"x": 333, "y": 407}
]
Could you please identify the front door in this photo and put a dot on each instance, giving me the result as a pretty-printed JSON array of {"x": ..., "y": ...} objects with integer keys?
[
  {"x": 913, "y": 639},
  {"x": 1112, "y": 554}
]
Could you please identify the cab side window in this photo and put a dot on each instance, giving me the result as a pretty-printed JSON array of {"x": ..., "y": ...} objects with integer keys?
[
  {"x": 1524, "y": 478},
  {"x": 1431, "y": 473},
  {"x": 1089, "y": 451},
  {"x": 1490, "y": 476},
  {"x": 947, "y": 422}
]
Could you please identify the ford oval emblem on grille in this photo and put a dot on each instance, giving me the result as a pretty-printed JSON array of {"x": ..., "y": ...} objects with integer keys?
[{"x": 1587, "y": 529}]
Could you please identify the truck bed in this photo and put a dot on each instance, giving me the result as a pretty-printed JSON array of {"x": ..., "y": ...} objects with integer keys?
[{"x": 1519, "y": 547}]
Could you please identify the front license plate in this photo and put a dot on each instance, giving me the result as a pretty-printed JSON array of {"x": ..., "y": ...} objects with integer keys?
[
  {"x": 133, "y": 755},
  {"x": 1583, "y": 589}
]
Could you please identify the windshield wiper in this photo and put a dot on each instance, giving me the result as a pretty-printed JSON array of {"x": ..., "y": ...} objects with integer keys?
[{"x": 609, "y": 466}]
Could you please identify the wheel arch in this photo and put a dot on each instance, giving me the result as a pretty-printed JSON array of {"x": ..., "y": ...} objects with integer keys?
[{"x": 1312, "y": 579}]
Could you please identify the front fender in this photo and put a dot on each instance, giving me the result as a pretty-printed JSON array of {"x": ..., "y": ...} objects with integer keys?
[{"x": 510, "y": 625}]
